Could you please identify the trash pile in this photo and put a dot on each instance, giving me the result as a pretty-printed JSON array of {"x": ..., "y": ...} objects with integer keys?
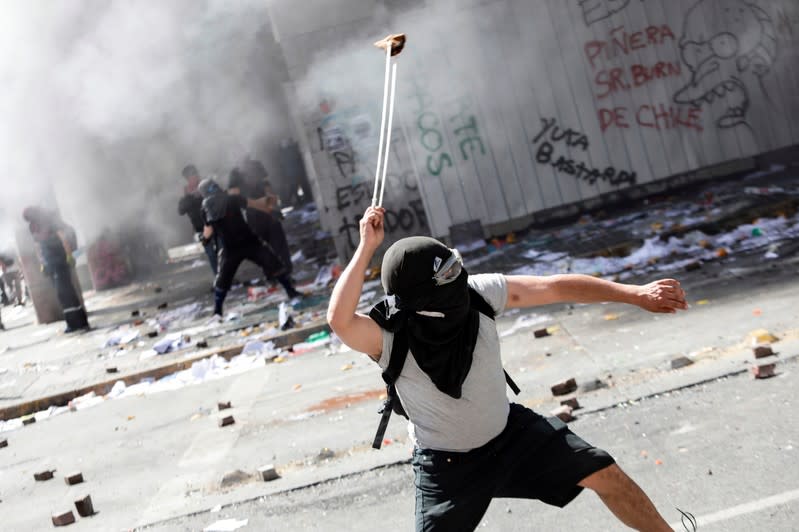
[{"x": 674, "y": 253}]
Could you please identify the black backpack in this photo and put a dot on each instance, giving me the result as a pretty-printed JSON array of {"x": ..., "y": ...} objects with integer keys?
[{"x": 399, "y": 352}]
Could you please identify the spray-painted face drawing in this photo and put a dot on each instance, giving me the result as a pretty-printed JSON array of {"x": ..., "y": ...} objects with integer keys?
[{"x": 728, "y": 45}]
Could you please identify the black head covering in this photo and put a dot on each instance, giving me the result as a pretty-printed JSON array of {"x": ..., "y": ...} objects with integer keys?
[
  {"x": 214, "y": 200},
  {"x": 441, "y": 345}
]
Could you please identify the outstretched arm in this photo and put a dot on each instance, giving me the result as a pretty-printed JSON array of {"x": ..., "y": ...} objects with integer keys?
[
  {"x": 357, "y": 330},
  {"x": 664, "y": 295}
]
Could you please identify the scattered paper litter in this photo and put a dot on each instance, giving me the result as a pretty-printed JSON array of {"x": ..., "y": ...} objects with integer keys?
[
  {"x": 524, "y": 322},
  {"x": 226, "y": 525}
]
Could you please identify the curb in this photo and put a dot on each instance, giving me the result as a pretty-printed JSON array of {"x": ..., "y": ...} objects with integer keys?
[
  {"x": 394, "y": 463},
  {"x": 101, "y": 388},
  {"x": 305, "y": 486}
]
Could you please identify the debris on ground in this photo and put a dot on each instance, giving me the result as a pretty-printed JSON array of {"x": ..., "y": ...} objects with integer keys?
[
  {"x": 84, "y": 506},
  {"x": 63, "y": 519},
  {"x": 680, "y": 362},
  {"x": 226, "y": 525},
  {"x": 268, "y": 473},
  {"x": 564, "y": 387},
  {"x": 564, "y": 413},
  {"x": 762, "y": 351},
  {"x": 74, "y": 478},
  {"x": 761, "y": 336},
  {"x": 571, "y": 402},
  {"x": 763, "y": 371},
  {"x": 41, "y": 476},
  {"x": 235, "y": 477}
]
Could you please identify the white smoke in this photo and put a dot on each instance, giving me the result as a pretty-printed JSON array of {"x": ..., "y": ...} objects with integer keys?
[{"x": 106, "y": 100}]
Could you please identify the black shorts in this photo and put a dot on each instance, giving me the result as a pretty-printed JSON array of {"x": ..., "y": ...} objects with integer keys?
[{"x": 533, "y": 458}]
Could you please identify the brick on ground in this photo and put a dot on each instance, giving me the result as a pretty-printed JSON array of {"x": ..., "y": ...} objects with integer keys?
[
  {"x": 564, "y": 412},
  {"x": 564, "y": 387},
  {"x": 66, "y": 518}
]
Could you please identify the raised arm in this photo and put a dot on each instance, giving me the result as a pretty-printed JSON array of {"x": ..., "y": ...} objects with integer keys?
[
  {"x": 357, "y": 330},
  {"x": 664, "y": 295}
]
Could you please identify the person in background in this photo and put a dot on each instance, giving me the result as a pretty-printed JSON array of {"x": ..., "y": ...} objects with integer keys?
[
  {"x": 222, "y": 214},
  {"x": 56, "y": 241},
  {"x": 11, "y": 281},
  {"x": 191, "y": 205},
  {"x": 253, "y": 185}
]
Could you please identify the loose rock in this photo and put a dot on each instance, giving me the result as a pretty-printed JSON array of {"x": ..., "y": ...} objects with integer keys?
[
  {"x": 268, "y": 473},
  {"x": 564, "y": 387},
  {"x": 84, "y": 506},
  {"x": 680, "y": 362},
  {"x": 44, "y": 475},
  {"x": 763, "y": 371},
  {"x": 572, "y": 402},
  {"x": 762, "y": 351},
  {"x": 564, "y": 412},
  {"x": 67, "y": 518},
  {"x": 74, "y": 478}
]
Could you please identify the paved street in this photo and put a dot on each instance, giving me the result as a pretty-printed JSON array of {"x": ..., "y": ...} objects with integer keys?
[
  {"x": 153, "y": 456},
  {"x": 150, "y": 458},
  {"x": 724, "y": 451}
]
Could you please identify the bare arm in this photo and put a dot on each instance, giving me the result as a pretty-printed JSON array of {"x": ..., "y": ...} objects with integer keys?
[
  {"x": 208, "y": 232},
  {"x": 357, "y": 330},
  {"x": 265, "y": 204},
  {"x": 664, "y": 295}
]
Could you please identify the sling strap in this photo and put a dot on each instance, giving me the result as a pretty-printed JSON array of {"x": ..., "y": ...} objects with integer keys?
[{"x": 399, "y": 352}]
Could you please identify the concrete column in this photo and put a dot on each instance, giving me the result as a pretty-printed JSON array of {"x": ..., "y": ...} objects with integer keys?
[{"x": 41, "y": 289}]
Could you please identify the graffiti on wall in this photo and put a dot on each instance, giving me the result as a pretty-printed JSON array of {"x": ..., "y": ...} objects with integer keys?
[
  {"x": 552, "y": 136},
  {"x": 728, "y": 55},
  {"x": 460, "y": 124},
  {"x": 345, "y": 142},
  {"x": 612, "y": 75},
  {"x": 407, "y": 219}
]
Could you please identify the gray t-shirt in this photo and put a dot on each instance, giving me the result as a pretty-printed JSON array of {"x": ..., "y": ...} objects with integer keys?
[{"x": 439, "y": 421}]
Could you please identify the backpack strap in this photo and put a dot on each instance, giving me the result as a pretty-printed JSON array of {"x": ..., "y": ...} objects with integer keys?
[
  {"x": 479, "y": 303},
  {"x": 399, "y": 352}
]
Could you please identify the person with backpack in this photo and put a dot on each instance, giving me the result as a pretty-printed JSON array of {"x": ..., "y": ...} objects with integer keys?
[
  {"x": 222, "y": 216},
  {"x": 471, "y": 443}
]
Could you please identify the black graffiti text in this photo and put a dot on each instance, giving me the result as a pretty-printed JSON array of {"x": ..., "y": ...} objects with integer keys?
[
  {"x": 551, "y": 134},
  {"x": 405, "y": 219}
]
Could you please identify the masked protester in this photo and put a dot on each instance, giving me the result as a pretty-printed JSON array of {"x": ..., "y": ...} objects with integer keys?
[
  {"x": 56, "y": 241},
  {"x": 191, "y": 205},
  {"x": 223, "y": 216},
  {"x": 471, "y": 443}
]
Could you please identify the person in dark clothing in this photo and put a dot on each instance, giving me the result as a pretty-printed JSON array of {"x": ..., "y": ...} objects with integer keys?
[
  {"x": 10, "y": 280},
  {"x": 56, "y": 241},
  {"x": 223, "y": 216},
  {"x": 191, "y": 205},
  {"x": 266, "y": 225}
]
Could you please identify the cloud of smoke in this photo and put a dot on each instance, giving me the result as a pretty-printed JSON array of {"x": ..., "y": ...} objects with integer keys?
[{"x": 106, "y": 100}]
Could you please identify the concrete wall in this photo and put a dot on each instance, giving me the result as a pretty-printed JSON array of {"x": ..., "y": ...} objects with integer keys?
[{"x": 508, "y": 108}]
